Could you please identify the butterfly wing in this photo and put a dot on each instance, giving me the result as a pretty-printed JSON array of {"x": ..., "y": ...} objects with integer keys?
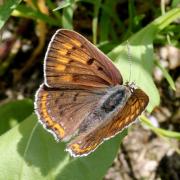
[
  {"x": 72, "y": 61},
  {"x": 89, "y": 141},
  {"x": 62, "y": 111}
]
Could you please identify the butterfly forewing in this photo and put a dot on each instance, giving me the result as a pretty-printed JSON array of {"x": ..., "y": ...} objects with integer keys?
[{"x": 72, "y": 61}]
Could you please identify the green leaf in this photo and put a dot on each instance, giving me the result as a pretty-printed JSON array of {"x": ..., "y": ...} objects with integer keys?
[
  {"x": 95, "y": 20},
  {"x": 14, "y": 112},
  {"x": 29, "y": 152},
  {"x": 62, "y": 5},
  {"x": 28, "y": 12},
  {"x": 52, "y": 8},
  {"x": 141, "y": 51},
  {"x": 6, "y": 9},
  {"x": 166, "y": 75},
  {"x": 160, "y": 131},
  {"x": 109, "y": 19},
  {"x": 67, "y": 15}
]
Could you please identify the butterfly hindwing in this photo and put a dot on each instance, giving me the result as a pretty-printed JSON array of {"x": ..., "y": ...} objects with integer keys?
[
  {"x": 89, "y": 141},
  {"x": 62, "y": 111}
]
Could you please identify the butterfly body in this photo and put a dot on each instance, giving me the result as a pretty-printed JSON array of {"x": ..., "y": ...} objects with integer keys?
[
  {"x": 83, "y": 99},
  {"x": 109, "y": 104}
]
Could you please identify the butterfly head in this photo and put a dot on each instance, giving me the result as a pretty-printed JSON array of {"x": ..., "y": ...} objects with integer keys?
[{"x": 131, "y": 86}]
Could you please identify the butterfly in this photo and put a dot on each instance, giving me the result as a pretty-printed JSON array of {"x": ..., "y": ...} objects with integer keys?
[{"x": 83, "y": 100}]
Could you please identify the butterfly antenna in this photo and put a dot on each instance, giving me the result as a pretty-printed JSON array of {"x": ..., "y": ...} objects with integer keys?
[{"x": 129, "y": 59}]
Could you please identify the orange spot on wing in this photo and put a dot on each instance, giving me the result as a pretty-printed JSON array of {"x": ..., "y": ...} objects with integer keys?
[
  {"x": 59, "y": 130},
  {"x": 137, "y": 111},
  {"x": 76, "y": 42},
  {"x": 132, "y": 116},
  {"x": 63, "y": 59},
  {"x": 66, "y": 78},
  {"x": 81, "y": 54},
  {"x": 120, "y": 124},
  {"x": 142, "y": 103},
  {"x": 62, "y": 51},
  {"x": 47, "y": 118},
  {"x": 78, "y": 58},
  {"x": 60, "y": 67},
  {"x": 133, "y": 108},
  {"x": 68, "y": 46},
  {"x": 76, "y": 148}
]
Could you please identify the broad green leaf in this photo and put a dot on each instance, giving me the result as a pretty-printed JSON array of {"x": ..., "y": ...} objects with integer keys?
[
  {"x": 14, "y": 112},
  {"x": 29, "y": 152},
  {"x": 141, "y": 52},
  {"x": 6, "y": 9}
]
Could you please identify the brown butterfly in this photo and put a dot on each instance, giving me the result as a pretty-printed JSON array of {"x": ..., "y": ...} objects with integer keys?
[{"x": 82, "y": 99}]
